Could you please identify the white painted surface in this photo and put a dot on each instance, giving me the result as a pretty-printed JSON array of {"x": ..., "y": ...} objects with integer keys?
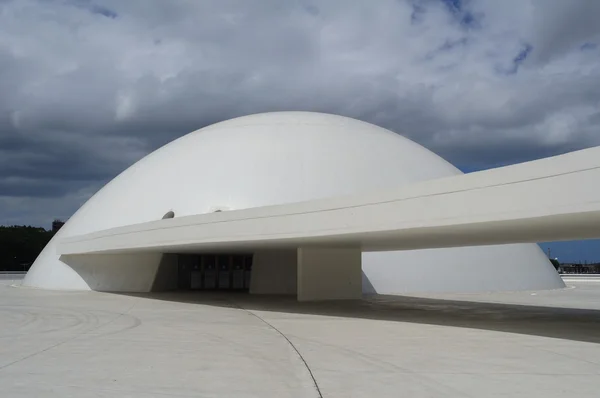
[
  {"x": 274, "y": 272},
  {"x": 326, "y": 273},
  {"x": 278, "y": 158}
]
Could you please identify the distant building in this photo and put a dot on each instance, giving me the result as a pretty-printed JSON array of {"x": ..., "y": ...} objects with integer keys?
[{"x": 57, "y": 224}]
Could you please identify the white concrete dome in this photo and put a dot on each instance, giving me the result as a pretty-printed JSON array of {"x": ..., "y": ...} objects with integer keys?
[{"x": 283, "y": 157}]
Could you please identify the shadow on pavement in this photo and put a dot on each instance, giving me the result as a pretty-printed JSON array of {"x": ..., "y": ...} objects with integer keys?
[{"x": 563, "y": 323}]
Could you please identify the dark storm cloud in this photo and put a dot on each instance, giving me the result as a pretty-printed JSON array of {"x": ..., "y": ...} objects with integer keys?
[
  {"x": 33, "y": 188},
  {"x": 88, "y": 87},
  {"x": 27, "y": 158}
]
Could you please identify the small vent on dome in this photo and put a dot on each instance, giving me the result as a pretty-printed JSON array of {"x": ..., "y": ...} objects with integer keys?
[
  {"x": 217, "y": 209},
  {"x": 169, "y": 214}
]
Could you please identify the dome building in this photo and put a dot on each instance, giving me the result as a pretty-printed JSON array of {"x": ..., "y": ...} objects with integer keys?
[{"x": 277, "y": 158}]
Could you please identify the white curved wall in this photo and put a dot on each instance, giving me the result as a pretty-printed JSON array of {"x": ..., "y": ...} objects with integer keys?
[
  {"x": 279, "y": 158},
  {"x": 459, "y": 270}
]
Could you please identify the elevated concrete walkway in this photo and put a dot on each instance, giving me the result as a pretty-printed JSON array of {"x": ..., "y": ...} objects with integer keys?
[{"x": 554, "y": 199}]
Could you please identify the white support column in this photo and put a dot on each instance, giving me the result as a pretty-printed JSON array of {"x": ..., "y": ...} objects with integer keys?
[
  {"x": 329, "y": 273},
  {"x": 274, "y": 272}
]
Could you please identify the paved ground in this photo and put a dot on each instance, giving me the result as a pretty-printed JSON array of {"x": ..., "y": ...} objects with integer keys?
[{"x": 57, "y": 344}]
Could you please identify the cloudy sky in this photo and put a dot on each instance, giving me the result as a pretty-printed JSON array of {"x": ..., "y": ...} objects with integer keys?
[{"x": 89, "y": 87}]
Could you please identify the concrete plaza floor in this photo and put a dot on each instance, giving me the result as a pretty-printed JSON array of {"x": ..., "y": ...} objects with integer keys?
[{"x": 88, "y": 344}]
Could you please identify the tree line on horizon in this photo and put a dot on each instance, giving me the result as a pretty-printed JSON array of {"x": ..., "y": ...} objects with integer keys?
[{"x": 20, "y": 245}]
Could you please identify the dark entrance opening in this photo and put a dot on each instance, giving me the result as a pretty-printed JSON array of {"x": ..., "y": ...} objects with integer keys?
[{"x": 231, "y": 272}]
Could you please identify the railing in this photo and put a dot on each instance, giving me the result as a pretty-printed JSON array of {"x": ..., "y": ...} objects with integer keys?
[
  {"x": 580, "y": 277},
  {"x": 12, "y": 275}
]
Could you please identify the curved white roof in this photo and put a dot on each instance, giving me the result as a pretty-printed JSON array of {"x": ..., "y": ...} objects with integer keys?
[{"x": 286, "y": 157}]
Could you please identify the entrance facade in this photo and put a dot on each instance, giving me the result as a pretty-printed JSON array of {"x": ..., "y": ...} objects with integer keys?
[{"x": 214, "y": 271}]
